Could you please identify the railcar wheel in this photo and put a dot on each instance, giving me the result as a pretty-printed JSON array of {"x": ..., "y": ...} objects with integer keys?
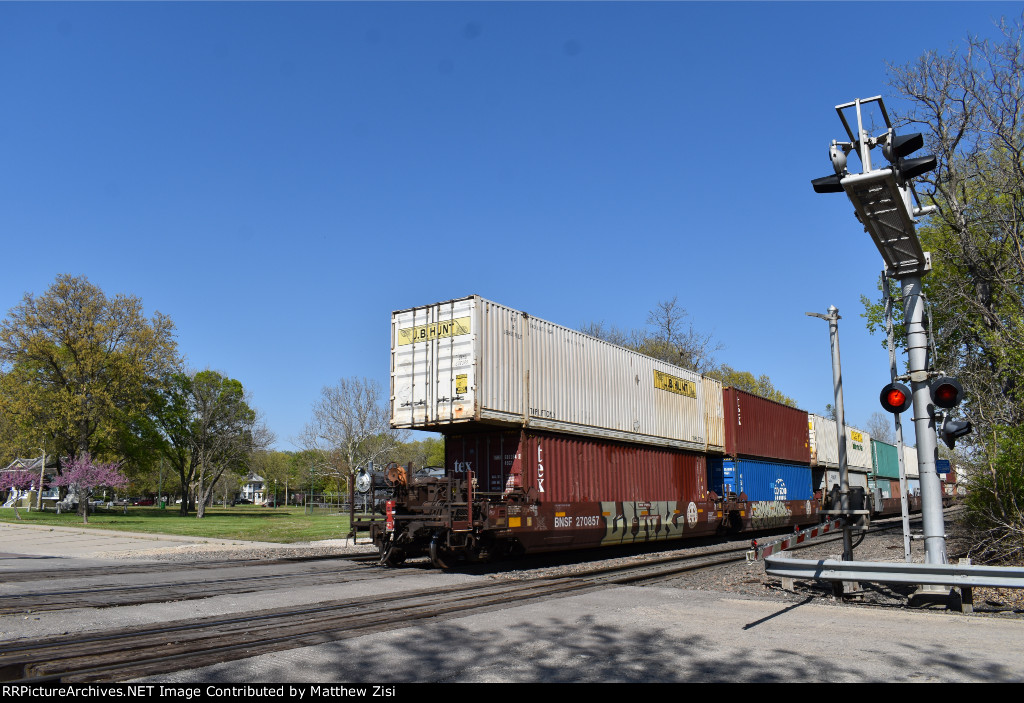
[
  {"x": 438, "y": 554},
  {"x": 393, "y": 557}
]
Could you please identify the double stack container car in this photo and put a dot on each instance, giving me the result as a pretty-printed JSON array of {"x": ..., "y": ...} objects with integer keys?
[{"x": 556, "y": 440}]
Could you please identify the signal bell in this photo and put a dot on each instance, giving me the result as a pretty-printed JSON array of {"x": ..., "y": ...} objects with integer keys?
[{"x": 895, "y": 397}]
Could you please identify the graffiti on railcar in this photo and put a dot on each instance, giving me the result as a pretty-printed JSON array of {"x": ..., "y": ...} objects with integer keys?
[
  {"x": 766, "y": 514},
  {"x": 645, "y": 522}
]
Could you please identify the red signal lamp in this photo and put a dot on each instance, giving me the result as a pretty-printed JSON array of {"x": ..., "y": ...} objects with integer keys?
[
  {"x": 946, "y": 392},
  {"x": 895, "y": 397}
]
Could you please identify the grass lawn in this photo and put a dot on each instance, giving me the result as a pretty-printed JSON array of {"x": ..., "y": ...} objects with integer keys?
[{"x": 246, "y": 522}]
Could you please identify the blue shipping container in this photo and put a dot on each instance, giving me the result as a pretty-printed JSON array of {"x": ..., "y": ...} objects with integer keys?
[{"x": 760, "y": 480}]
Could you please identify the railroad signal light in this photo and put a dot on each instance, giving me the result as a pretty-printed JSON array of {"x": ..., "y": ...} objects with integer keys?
[
  {"x": 953, "y": 429},
  {"x": 895, "y": 397},
  {"x": 946, "y": 392}
]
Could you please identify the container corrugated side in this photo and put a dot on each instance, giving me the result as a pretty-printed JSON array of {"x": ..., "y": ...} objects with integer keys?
[
  {"x": 513, "y": 369},
  {"x": 558, "y": 468},
  {"x": 910, "y": 461},
  {"x": 824, "y": 441},
  {"x": 756, "y": 427},
  {"x": 714, "y": 414},
  {"x": 760, "y": 480},
  {"x": 885, "y": 459}
]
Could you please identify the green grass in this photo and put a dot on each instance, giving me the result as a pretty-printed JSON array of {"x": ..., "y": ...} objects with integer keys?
[{"x": 244, "y": 522}]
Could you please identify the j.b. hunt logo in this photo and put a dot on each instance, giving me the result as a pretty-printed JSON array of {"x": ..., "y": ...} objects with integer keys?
[{"x": 435, "y": 330}]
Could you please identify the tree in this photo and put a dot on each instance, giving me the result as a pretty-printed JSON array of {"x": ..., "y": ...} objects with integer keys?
[
  {"x": 880, "y": 427},
  {"x": 17, "y": 480},
  {"x": 84, "y": 477},
  {"x": 351, "y": 426},
  {"x": 75, "y": 366},
  {"x": 669, "y": 337},
  {"x": 205, "y": 426},
  {"x": 969, "y": 104},
  {"x": 746, "y": 381}
]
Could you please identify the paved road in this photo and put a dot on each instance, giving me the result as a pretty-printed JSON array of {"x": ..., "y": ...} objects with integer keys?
[{"x": 625, "y": 634}]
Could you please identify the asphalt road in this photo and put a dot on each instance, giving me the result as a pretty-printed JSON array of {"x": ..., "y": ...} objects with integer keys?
[{"x": 622, "y": 634}]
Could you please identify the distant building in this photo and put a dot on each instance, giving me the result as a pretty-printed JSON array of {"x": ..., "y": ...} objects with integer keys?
[
  {"x": 253, "y": 488},
  {"x": 33, "y": 465}
]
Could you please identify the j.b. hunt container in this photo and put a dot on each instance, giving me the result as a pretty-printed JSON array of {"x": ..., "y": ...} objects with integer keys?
[
  {"x": 824, "y": 441},
  {"x": 472, "y": 360}
]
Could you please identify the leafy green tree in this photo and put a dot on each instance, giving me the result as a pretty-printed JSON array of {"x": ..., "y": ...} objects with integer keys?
[
  {"x": 76, "y": 367},
  {"x": 205, "y": 426},
  {"x": 420, "y": 453},
  {"x": 758, "y": 385},
  {"x": 968, "y": 104}
]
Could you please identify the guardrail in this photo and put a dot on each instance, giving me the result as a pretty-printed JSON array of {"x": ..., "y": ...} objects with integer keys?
[{"x": 961, "y": 575}]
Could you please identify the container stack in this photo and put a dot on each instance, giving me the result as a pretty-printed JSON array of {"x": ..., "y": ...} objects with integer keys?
[
  {"x": 824, "y": 441},
  {"x": 767, "y": 451},
  {"x": 533, "y": 407}
]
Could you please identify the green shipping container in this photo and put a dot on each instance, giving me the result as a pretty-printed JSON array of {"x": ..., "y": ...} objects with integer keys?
[{"x": 885, "y": 459}]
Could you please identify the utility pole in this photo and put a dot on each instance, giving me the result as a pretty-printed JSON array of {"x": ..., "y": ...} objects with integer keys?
[{"x": 833, "y": 318}]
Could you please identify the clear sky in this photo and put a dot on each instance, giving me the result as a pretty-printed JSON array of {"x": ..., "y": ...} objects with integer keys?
[{"x": 279, "y": 177}]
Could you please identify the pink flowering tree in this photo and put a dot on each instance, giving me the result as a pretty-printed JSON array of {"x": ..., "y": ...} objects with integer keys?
[
  {"x": 84, "y": 477},
  {"x": 17, "y": 480}
]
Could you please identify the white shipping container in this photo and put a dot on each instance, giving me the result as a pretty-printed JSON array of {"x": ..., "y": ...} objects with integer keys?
[
  {"x": 825, "y": 445},
  {"x": 474, "y": 360},
  {"x": 854, "y": 477}
]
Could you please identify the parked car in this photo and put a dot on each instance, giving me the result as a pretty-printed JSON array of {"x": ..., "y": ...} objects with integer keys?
[{"x": 241, "y": 501}]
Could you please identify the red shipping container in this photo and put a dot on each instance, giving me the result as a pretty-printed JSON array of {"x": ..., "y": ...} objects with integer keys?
[
  {"x": 570, "y": 468},
  {"x": 760, "y": 428}
]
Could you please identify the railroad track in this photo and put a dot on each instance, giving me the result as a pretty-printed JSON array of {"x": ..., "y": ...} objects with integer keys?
[
  {"x": 133, "y": 653},
  {"x": 186, "y": 589},
  {"x": 150, "y": 567}
]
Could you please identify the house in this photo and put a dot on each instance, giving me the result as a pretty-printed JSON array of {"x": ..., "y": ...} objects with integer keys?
[
  {"x": 28, "y": 497},
  {"x": 253, "y": 489}
]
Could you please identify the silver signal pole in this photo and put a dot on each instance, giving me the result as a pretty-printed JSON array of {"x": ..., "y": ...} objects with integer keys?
[{"x": 884, "y": 201}]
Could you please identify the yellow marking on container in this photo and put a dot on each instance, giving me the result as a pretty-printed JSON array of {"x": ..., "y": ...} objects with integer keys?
[
  {"x": 515, "y": 522},
  {"x": 461, "y": 383},
  {"x": 606, "y": 514},
  {"x": 856, "y": 436},
  {"x": 435, "y": 330},
  {"x": 559, "y": 514},
  {"x": 529, "y": 522},
  {"x": 644, "y": 512},
  {"x": 700, "y": 510},
  {"x": 674, "y": 384},
  {"x": 743, "y": 513}
]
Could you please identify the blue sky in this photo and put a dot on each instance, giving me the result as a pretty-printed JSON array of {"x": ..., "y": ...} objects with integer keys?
[{"x": 279, "y": 177}]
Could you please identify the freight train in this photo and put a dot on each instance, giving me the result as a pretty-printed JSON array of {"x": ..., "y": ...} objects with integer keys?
[{"x": 556, "y": 440}]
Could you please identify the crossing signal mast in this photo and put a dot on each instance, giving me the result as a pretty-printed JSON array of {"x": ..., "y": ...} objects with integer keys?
[{"x": 885, "y": 202}]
